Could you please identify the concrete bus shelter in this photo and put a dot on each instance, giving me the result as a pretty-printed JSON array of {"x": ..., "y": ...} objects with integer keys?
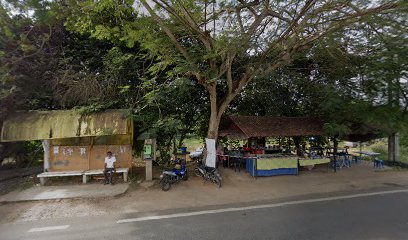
[{"x": 74, "y": 144}]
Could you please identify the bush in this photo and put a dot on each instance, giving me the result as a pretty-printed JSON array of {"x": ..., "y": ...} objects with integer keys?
[
  {"x": 379, "y": 147},
  {"x": 404, "y": 154}
]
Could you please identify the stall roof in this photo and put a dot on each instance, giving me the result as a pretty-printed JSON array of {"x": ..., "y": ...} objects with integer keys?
[
  {"x": 256, "y": 126},
  {"x": 59, "y": 124}
]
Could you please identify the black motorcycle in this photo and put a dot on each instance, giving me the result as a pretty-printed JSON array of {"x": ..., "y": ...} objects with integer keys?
[{"x": 207, "y": 173}]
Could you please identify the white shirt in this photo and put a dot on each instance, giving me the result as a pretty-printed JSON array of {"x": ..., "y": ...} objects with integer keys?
[{"x": 110, "y": 161}]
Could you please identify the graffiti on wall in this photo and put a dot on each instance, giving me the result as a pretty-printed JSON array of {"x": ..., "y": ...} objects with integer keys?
[
  {"x": 67, "y": 151},
  {"x": 56, "y": 150},
  {"x": 82, "y": 151}
]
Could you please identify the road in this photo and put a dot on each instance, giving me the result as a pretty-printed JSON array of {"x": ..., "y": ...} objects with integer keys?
[{"x": 375, "y": 215}]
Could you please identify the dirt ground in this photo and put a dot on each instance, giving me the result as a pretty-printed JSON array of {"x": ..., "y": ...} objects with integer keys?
[
  {"x": 19, "y": 178},
  {"x": 238, "y": 187}
]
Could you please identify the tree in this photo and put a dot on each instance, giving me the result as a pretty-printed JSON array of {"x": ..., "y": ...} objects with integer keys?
[
  {"x": 172, "y": 111},
  {"x": 236, "y": 42},
  {"x": 300, "y": 88},
  {"x": 28, "y": 50},
  {"x": 45, "y": 66},
  {"x": 387, "y": 68}
]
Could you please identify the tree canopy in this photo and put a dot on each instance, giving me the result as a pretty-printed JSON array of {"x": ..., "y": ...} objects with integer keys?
[
  {"x": 179, "y": 65},
  {"x": 224, "y": 44}
]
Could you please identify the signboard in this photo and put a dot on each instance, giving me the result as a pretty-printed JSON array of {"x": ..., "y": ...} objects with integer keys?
[
  {"x": 211, "y": 152},
  {"x": 147, "y": 152}
]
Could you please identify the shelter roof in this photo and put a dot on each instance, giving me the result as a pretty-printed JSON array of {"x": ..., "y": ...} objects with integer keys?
[
  {"x": 59, "y": 124},
  {"x": 256, "y": 126}
]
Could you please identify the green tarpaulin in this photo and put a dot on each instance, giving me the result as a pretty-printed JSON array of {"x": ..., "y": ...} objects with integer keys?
[{"x": 276, "y": 163}]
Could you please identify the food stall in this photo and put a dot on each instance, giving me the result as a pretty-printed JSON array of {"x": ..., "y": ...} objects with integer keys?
[
  {"x": 315, "y": 156},
  {"x": 262, "y": 160},
  {"x": 272, "y": 165}
]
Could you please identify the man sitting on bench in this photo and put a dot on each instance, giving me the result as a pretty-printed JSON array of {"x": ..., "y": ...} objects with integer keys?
[{"x": 109, "y": 167}]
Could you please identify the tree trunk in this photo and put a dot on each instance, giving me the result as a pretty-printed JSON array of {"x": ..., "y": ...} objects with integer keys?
[
  {"x": 335, "y": 146},
  {"x": 217, "y": 110},
  {"x": 297, "y": 140},
  {"x": 181, "y": 140},
  {"x": 214, "y": 118},
  {"x": 391, "y": 148},
  {"x": 213, "y": 126},
  {"x": 397, "y": 147}
]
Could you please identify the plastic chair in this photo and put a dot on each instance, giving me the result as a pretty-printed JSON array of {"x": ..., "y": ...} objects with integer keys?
[{"x": 378, "y": 163}]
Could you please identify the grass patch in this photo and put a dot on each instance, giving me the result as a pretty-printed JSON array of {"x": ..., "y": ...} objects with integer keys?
[
  {"x": 404, "y": 154},
  {"x": 193, "y": 143},
  {"x": 382, "y": 148}
]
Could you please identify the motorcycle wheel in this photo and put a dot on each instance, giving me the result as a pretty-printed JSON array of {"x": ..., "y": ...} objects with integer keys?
[
  {"x": 166, "y": 185},
  {"x": 185, "y": 177},
  {"x": 197, "y": 172},
  {"x": 217, "y": 181}
]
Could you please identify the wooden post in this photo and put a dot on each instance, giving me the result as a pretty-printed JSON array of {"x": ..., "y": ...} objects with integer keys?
[{"x": 391, "y": 148}]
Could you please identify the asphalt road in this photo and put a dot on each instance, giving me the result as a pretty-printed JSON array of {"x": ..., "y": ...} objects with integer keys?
[{"x": 378, "y": 215}]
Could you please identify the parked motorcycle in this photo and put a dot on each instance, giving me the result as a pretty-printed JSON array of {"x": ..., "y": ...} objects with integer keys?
[
  {"x": 174, "y": 175},
  {"x": 207, "y": 173}
]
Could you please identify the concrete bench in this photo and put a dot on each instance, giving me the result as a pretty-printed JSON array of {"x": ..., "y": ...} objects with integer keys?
[
  {"x": 125, "y": 172},
  {"x": 44, "y": 175}
]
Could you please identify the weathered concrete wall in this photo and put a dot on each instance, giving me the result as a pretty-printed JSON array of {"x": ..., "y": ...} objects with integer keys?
[
  {"x": 74, "y": 158},
  {"x": 123, "y": 154},
  {"x": 40, "y": 125},
  {"x": 100, "y": 140}
]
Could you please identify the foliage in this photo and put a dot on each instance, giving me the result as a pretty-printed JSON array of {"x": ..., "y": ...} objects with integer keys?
[
  {"x": 343, "y": 61},
  {"x": 29, "y": 47},
  {"x": 404, "y": 138},
  {"x": 172, "y": 112},
  {"x": 26, "y": 154},
  {"x": 324, "y": 82},
  {"x": 256, "y": 38},
  {"x": 382, "y": 149},
  {"x": 98, "y": 68}
]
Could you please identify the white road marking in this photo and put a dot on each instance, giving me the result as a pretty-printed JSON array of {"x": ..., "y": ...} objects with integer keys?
[
  {"x": 62, "y": 227},
  {"x": 273, "y": 205}
]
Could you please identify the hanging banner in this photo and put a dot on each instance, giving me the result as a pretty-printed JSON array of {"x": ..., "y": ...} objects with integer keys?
[{"x": 211, "y": 152}]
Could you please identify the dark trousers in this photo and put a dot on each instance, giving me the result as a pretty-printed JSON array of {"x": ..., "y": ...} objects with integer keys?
[{"x": 108, "y": 172}]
